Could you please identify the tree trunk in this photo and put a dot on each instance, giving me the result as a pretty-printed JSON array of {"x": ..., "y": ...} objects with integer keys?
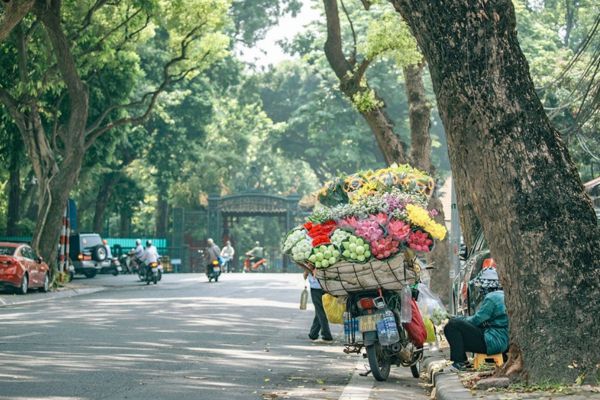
[
  {"x": 162, "y": 214},
  {"x": 439, "y": 258},
  {"x": 105, "y": 192},
  {"x": 14, "y": 186},
  {"x": 53, "y": 197},
  {"x": 125, "y": 222},
  {"x": 419, "y": 114},
  {"x": 512, "y": 165}
]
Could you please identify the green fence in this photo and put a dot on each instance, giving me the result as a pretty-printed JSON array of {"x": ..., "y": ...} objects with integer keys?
[
  {"x": 18, "y": 239},
  {"x": 124, "y": 243}
]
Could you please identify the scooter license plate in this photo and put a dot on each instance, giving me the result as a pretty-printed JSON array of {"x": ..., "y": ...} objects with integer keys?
[
  {"x": 368, "y": 323},
  {"x": 216, "y": 269}
]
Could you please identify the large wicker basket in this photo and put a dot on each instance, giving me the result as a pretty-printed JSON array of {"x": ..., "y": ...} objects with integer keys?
[{"x": 391, "y": 274}]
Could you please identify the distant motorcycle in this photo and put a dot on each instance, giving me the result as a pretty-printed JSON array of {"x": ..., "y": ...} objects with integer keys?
[
  {"x": 259, "y": 265},
  {"x": 115, "y": 265},
  {"x": 213, "y": 271},
  {"x": 152, "y": 273}
]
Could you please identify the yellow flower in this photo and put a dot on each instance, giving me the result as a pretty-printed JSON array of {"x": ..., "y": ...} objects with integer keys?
[{"x": 420, "y": 217}]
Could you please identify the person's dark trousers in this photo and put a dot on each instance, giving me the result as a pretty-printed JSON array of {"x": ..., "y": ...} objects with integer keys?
[
  {"x": 320, "y": 323},
  {"x": 462, "y": 337}
]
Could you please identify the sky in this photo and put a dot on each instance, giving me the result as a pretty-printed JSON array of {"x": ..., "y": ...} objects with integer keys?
[{"x": 267, "y": 51}]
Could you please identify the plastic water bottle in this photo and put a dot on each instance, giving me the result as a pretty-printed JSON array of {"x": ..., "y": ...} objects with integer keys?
[
  {"x": 304, "y": 299},
  {"x": 382, "y": 333},
  {"x": 406, "y": 305},
  {"x": 390, "y": 333},
  {"x": 347, "y": 327},
  {"x": 355, "y": 327}
]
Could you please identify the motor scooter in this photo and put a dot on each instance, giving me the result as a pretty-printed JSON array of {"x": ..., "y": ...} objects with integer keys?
[
  {"x": 372, "y": 321},
  {"x": 115, "y": 265},
  {"x": 153, "y": 272},
  {"x": 259, "y": 265},
  {"x": 213, "y": 271}
]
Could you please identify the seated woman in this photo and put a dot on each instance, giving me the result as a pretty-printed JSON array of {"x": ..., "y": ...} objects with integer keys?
[{"x": 485, "y": 332}]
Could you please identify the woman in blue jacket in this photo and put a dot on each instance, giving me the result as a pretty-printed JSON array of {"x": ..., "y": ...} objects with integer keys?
[{"x": 485, "y": 332}]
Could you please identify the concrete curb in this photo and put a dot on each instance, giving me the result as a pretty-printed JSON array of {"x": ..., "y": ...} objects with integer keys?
[
  {"x": 14, "y": 300},
  {"x": 447, "y": 384}
]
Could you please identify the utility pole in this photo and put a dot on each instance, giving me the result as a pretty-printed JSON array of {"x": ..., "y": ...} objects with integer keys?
[{"x": 455, "y": 235}]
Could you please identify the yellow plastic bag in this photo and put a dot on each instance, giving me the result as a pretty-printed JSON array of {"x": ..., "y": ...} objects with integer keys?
[
  {"x": 334, "y": 308},
  {"x": 430, "y": 330}
]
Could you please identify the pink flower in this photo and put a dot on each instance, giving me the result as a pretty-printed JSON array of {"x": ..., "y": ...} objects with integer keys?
[
  {"x": 384, "y": 247},
  {"x": 380, "y": 218},
  {"x": 398, "y": 229},
  {"x": 369, "y": 230},
  {"x": 420, "y": 241}
]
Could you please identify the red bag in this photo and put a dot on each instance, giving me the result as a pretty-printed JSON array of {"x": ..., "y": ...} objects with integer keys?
[{"x": 416, "y": 328}]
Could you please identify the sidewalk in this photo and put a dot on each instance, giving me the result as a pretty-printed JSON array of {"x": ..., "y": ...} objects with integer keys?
[
  {"x": 70, "y": 290},
  {"x": 448, "y": 385}
]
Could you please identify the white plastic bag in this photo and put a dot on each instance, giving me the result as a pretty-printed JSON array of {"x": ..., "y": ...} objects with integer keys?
[{"x": 431, "y": 305}]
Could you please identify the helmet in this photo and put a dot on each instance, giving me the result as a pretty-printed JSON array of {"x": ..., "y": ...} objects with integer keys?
[
  {"x": 138, "y": 242},
  {"x": 148, "y": 242}
]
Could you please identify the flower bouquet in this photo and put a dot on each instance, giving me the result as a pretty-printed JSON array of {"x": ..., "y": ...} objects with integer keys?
[{"x": 367, "y": 230}]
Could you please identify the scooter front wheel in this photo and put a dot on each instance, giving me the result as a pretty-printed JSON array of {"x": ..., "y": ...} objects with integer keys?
[{"x": 380, "y": 366}]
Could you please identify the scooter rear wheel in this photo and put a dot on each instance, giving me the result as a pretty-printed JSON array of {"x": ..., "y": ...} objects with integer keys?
[{"x": 380, "y": 367}]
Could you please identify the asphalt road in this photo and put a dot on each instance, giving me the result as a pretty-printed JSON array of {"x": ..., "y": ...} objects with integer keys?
[{"x": 241, "y": 338}]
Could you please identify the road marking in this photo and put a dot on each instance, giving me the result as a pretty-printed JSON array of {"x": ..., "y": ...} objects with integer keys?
[
  {"x": 359, "y": 387},
  {"x": 20, "y": 336}
]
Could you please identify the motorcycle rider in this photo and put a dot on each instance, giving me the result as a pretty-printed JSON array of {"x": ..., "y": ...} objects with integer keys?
[
  {"x": 256, "y": 255},
  {"x": 137, "y": 253},
  {"x": 212, "y": 250},
  {"x": 227, "y": 253},
  {"x": 107, "y": 247},
  {"x": 149, "y": 256}
]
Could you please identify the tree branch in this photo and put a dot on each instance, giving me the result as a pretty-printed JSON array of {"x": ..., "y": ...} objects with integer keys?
[
  {"x": 87, "y": 21},
  {"x": 12, "y": 105},
  {"x": 97, "y": 45},
  {"x": 12, "y": 14},
  {"x": 353, "y": 57},
  {"x": 362, "y": 68},
  {"x": 78, "y": 96},
  {"x": 333, "y": 44},
  {"x": 96, "y": 129}
]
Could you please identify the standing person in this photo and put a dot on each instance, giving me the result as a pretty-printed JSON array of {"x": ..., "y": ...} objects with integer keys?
[
  {"x": 107, "y": 247},
  {"x": 227, "y": 253},
  {"x": 485, "y": 332},
  {"x": 320, "y": 323}
]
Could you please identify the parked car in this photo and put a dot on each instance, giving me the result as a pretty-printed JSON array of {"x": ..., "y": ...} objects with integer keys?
[
  {"x": 21, "y": 269},
  {"x": 88, "y": 254},
  {"x": 472, "y": 260}
]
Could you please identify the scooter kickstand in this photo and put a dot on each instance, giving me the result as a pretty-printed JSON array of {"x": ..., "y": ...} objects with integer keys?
[{"x": 366, "y": 373}]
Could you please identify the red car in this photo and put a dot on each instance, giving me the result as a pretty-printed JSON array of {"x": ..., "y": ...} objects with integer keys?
[{"x": 21, "y": 269}]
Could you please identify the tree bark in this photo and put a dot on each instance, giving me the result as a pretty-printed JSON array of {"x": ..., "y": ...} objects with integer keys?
[
  {"x": 14, "y": 186},
  {"x": 419, "y": 114},
  {"x": 162, "y": 214},
  {"x": 125, "y": 221},
  {"x": 512, "y": 165},
  {"x": 13, "y": 11},
  {"x": 351, "y": 78}
]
